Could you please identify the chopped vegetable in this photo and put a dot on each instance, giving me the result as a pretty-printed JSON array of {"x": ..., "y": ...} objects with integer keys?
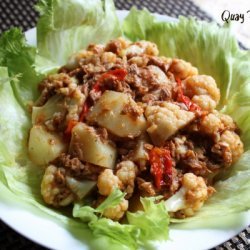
[
  {"x": 119, "y": 114},
  {"x": 50, "y": 146},
  {"x": 185, "y": 99},
  {"x": 88, "y": 146},
  {"x": 117, "y": 74},
  {"x": 161, "y": 166},
  {"x": 70, "y": 126},
  {"x": 85, "y": 110}
]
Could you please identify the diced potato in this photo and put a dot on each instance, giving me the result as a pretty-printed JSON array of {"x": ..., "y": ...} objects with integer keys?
[
  {"x": 46, "y": 112},
  {"x": 44, "y": 146},
  {"x": 88, "y": 146},
  {"x": 117, "y": 112}
]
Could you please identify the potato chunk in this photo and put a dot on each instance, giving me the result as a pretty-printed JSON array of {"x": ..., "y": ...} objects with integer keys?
[
  {"x": 46, "y": 112},
  {"x": 88, "y": 146},
  {"x": 165, "y": 120},
  {"x": 118, "y": 113},
  {"x": 44, "y": 146}
]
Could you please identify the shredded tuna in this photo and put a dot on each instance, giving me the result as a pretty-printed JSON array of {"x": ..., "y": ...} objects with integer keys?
[{"x": 75, "y": 168}]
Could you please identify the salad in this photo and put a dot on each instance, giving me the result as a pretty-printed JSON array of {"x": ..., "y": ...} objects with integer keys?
[
  {"x": 130, "y": 133},
  {"x": 118, "y": 116}
]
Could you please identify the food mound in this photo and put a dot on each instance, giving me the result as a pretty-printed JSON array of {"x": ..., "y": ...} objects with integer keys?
[{"x": 121, "y": 117}]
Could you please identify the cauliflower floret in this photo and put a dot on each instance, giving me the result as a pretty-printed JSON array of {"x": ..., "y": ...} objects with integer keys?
[
  {"x": 74, "y": 99},
  {"x": 74, "y": 60},
  {"x": 108, "y": 57},
  {"x": 215, "y": 122},
  {"x": 166, "y": 60},
  {"x": 74, "y": 105},
  {"x": 196, "y": 194},
  {"x": 202, "y": 90},
  {"x": 181, "y": 147},
  {"x": 96, "y": 48},
  {"x": 73, "y": 113},
  {"x": 66, "y": 88},
  {"x": 66, "y": 91},
  {"x": 127, "y": 173},
  {"x": 107, "y": 182},
  {"x": 165, "y": 120},
  {"x": 140, "y": 61},
  {"x": 139, "y": 154},
  {"x": 231, "y": 140},
  {"x": 191, "y": 197},
  {"x": 117, "y": 212},
  {"x": 182, "y": 69},
  {"x": 54, "y": 189},
  {"x": 117, "y": 46},
  {"x": 58, "y": 189},
  {"x": 56, "y": 84},
  {"x": 142, "y": 47}
]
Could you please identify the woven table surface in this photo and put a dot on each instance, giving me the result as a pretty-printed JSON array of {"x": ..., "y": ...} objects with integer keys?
[{"x": 20, "y": 13}]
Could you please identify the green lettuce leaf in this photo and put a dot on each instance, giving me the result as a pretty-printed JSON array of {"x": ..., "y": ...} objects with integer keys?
[
  {"x": 116, "y": 232},
  {"x": 19, "y": 58},
  {"x": 137, "y": 23},
  {"x": 150, "y": 224},
  {"x": 112, "y": 200},
  {"x": 44, "y": 66},
  {"x": 153, "y": 221},
  {"x": 13, "y": 122},
  {"x": 66, "y": 27}
]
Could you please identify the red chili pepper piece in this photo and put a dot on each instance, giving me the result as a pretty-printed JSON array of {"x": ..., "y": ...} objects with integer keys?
[
  {"x": 97, "y": 87},
  {"x": 72, "y": 123},
  {"x": 161, "y": 166},
  {"x": 118, "y": 74},
  {"x": 70, "y": 126},
  {"x": 85, "y": 110},
  {"x": 185, "y": 99}
]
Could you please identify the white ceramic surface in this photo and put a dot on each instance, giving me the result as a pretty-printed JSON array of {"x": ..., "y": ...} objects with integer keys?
[{"x": 44, "y": 230}]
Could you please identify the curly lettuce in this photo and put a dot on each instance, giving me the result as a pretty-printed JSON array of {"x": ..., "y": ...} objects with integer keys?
[{"x": 150, "y": 223}]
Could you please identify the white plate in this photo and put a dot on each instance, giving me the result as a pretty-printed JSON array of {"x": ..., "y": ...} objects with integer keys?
[{"x": 44, "y": 230}]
